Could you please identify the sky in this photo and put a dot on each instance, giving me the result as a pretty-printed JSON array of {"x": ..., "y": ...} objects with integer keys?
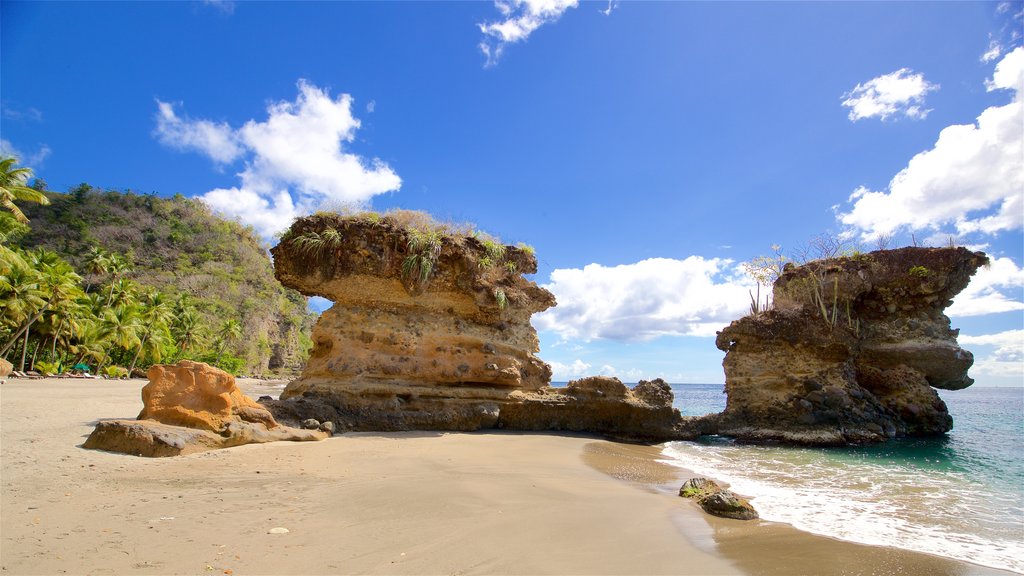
[{"x": 645, "y": 149}]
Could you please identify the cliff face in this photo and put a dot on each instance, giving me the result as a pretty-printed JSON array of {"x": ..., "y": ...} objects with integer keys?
[
  {"x": 430, "y": 327},
  {"x": 851, "y": 351}
]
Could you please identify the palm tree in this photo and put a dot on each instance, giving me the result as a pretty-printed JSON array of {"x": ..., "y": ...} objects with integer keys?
[
  {"x": 230, "y": 331},
  {"x": 97, "y": 261},
  {"x": 12, "y": 187},
  {"x": 120, "y": 327},
  {"x": 187, "y": 330},
  {"x": 55, "y": 282},
  {"x": 21, "y": 295},
  {"x": 116, "y": 265},
  {"x": 155, "y": 314}
]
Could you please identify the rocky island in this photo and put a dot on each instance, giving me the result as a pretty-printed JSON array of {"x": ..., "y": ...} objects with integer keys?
[{"x": 851, "y": 351}]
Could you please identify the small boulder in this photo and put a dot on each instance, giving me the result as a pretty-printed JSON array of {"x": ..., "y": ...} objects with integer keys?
[
  {"x": 655, "y": 392},
  {"x": 726, "y": 504},
  {"x": 311, "y": 424},
  {"x": 716, "y": 500},
  {"x": 597, "y": 386},
  {"x": 327, "y": 426},
  {"x": 697, "y": 486}
]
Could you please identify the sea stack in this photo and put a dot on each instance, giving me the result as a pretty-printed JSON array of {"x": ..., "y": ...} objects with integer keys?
[
  {"x": 430, "y": 330},
  {"x": 851, "y": 351},
  {"x": 430, "y": 327}
]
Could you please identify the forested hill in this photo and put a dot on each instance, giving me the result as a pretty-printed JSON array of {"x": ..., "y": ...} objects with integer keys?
[{"x": 179, "y": 247}]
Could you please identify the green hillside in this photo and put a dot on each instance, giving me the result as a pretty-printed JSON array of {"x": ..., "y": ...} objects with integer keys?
[{"x": 207, "y": 267}]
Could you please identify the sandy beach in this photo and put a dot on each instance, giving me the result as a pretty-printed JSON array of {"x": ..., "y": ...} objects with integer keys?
[{"x": 396, "y": 503}]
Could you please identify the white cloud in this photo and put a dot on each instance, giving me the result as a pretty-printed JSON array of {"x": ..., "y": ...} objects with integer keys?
[
  {"x": 31, "y": 159},
  {"x": 217, "y": 141},
  {"x": 28, "y": 114},
  {"x": 987, "y": 291},
  {"x": 561, "y": 372},
  {"x": 898, "y": 93},
  {"x": 612, "y": 5},
  {"x": 645, "y": 300},
  {"x": 995, "y": 50},
  {"x": 520, "y": 19},
  {"x": 973, "y": 178},
  {"x": 225, "y": 6},
  {"x": 296, "y": 160},
  {"x": 1008, "y": 358}
]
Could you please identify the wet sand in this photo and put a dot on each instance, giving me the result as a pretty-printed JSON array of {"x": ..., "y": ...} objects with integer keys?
[{"x": 397, "y": 503}]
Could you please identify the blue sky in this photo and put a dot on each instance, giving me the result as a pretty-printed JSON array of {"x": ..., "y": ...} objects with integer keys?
[{"x": 645, "y": 149}]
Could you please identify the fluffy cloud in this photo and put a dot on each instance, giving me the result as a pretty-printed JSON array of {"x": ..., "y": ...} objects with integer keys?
[
  {"x": 898, "y": 93},
  {"x": 562, "y": 372},
  {"x": 973, "y": 177},
  {"x": 295, "y": 160},
  {"x": 645, "y": 300},
  {"x": 1008, "y": 358},
  {"x": 519, "y": 19},
  {"x": 217, "y": 141},
  {"x": 986, "y": 294},
  {"x": 31, "y": 160}
]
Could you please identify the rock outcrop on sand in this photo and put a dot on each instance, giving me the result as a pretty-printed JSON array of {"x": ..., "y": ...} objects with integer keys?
[
  {"x": 192, "y": 407},
  {"x": 430, "y": 330},
  {"x": 716, "y": 500},
  {"x": 851, "y": 352}
]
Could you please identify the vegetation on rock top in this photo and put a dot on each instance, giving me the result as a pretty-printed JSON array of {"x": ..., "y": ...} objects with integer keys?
[{"x": 410, "y": 245}]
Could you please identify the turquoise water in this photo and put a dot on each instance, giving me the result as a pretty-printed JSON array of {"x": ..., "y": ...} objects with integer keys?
[{"x": 959, "y": 496}]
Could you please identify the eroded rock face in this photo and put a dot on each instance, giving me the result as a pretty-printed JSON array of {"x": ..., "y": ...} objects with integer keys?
[
  {"x": 430, "y": 329},
  {"x": 851, "y": 352},
  {"x": 197, "y": 395},
  {"x": 603, "y": 405},
  {"x": 192, "y": 407}
]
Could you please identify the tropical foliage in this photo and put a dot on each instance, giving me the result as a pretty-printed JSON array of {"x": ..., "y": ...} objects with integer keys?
[{"x": 119, "y": 281}]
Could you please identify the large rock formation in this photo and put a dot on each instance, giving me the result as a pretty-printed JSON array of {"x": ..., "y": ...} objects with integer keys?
[
  {"x": 430, "y": 330},
  {"x": 192, "y": 407},
  {"x": 851, "y": 351}
]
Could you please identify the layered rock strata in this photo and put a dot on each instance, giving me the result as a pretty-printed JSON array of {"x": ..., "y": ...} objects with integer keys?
[
  {"x": 430, "y": 330},
  {"x": 851, "y": 352},
  {"x": 192, "y": 407}
]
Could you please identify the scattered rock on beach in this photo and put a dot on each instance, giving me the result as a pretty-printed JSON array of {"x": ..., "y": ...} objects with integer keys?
[
  {"x": 278, "y": 530},
  {"x": 5, "y": 368},
  {"x": 311, "y": 424},
  {"x": 192, "y": 407},
  {"x": 716, "y": 500}
]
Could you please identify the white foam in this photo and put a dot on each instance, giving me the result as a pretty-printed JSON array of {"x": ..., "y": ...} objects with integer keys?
[{"x": 942, "y": 513}]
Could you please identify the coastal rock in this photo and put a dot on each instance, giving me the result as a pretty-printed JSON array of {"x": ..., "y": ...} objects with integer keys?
[
  {"x": 716, "y": 500},
  {"x": 430, "y": 328},
  {"x": 602, "y": 405},
  {"x": 851, "y": 352},
  {"x": 197, "y": 395},
  {"x": 5, "y": 368},
  {"x": 192, "y": 407}
]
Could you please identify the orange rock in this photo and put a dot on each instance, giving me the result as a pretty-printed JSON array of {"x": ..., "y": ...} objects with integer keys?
[{"x": 197, "y": 395}]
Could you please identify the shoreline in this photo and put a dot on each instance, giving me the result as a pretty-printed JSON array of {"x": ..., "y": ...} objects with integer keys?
[{"x": 410, "y": 502}]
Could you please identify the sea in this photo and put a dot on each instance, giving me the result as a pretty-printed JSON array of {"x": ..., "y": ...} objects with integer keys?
[{"x": 960, "y": 496}]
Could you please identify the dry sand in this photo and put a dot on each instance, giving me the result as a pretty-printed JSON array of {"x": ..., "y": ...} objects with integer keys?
[{"x": 399, "y": 503}]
